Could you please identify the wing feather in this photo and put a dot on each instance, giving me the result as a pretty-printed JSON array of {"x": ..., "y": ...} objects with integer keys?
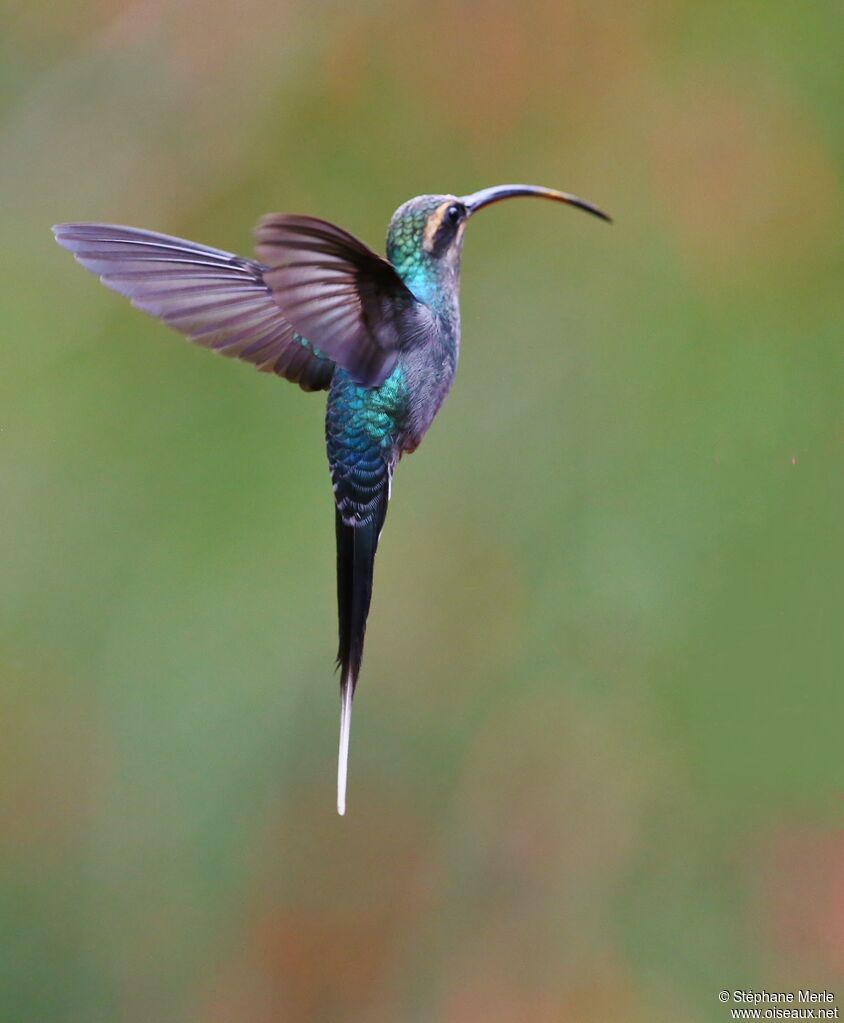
[
  {"x": 345, "y": 298},
  {"x": 215, "y": 298}
]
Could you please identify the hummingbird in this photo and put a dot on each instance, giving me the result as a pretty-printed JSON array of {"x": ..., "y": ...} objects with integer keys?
[{"x": 321, "y": 309}]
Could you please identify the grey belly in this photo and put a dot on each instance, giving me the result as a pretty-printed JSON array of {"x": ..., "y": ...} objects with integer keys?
[{"x": 429, "y": 381}]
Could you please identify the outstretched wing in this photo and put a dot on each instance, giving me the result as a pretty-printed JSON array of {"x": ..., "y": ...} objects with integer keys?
[
  {"x": 215, "y": 298},
  {"x": 339, "y": 294}
]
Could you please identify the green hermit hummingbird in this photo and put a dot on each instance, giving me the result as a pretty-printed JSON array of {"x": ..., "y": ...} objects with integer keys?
[{"x": 321, "y": 309}]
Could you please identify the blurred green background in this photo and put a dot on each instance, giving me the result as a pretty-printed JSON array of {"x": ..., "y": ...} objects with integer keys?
[{"x": 596, "y": 765}]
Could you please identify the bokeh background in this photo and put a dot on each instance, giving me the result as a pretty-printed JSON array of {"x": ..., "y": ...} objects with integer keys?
[{"x": 596, "y": 764}]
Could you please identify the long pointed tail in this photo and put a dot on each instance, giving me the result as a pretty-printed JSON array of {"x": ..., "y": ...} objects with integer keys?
[
  {"x": 346, "y": 694},
  {"x": 356, "y": 547}
]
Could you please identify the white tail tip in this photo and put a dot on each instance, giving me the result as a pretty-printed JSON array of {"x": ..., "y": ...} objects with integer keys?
[{"x": 343, "y": 755}]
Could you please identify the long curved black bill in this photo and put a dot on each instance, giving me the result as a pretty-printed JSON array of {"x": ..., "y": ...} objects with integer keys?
[{"x": 486, "y": 196}]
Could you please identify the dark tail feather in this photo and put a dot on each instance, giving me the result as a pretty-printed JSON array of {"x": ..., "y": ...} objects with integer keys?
[{"x": 356, "y": 547}]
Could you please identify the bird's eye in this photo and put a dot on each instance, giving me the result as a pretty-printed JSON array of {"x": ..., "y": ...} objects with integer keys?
[{"x": 454, "y": 213}]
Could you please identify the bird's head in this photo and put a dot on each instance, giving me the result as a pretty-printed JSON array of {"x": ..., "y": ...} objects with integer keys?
[{"x": 425, "y": 238}]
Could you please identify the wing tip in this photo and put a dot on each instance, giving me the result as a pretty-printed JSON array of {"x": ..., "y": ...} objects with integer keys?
[
  {"x": 76, "y": 225},
  {"x": 61, "y": 232},
  {"x": 74, "y": 233}
]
